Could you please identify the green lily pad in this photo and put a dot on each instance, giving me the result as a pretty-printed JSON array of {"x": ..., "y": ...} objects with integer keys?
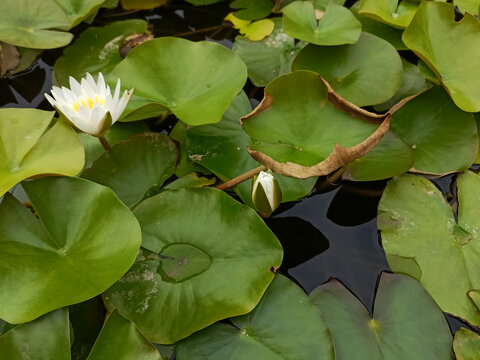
[
  {"x": 47, "y": 337},
  {"x": 366, "y": 73},
  {"x": 252, "y": 9},
  {"x": 337, "y": 25},
  {"x": 79, "y": 10},
  {"x": 120, "y": 340},
  {"x": 33, "y": 24},
  {"x": 221, "y": 148},
  {"x": 417, "y": 224},
  {"x": 83, "y": 241},
  {"x": 197, "y": 92},
  {"x": 134, "y": 166},
  {"x": 28, "y": 147},
  {"x": 299, "y": 125},
  {"x": 190, "y": 180},
  {"x": 203, "y": 2},
  {"x": 413, "y": 82},
  {"x": 371, "y": 26},
  {"x": 391, "y": 12},
  {"x": 440, "y": 144},
  {"x": 142, "y": 4},
  {"x": 406, "y": 323},
  {"x": 425, "y": 36},
  {"x": 97, "y": 49},
  {"x": 284, "y": 325},
  {"x": 118, "y": 132},
  {"x": 139, "y": 108},
  {"x": 477, "y": 121},
  {"x": 268, "y": 58},
  {"x": 470, "y": 6},
  {"x": 390, "y": 157},
  {"x": 466, "y": 345},
  {"x": 183, "y": 281}
]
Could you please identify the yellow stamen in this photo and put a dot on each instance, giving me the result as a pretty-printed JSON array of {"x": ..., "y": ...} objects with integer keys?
[{"x": 88, "y": 102}]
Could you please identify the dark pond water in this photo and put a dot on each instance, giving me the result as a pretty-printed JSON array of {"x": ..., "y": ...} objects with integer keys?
[{"x": 331, "y": 233}]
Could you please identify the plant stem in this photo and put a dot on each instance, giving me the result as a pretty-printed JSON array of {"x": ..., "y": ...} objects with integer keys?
[
  {"x": 105, "y": 143},
  {"x": 241, "y": 178},
  {"x": 199, "y": 31}
]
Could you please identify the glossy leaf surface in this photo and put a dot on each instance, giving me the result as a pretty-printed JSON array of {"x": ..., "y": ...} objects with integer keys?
[
  {"x": 82, "y": 242},
  {"x": 183, "y": 281}
]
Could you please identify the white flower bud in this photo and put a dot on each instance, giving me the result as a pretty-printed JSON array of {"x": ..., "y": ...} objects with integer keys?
[{"x": 266, "y": 194}]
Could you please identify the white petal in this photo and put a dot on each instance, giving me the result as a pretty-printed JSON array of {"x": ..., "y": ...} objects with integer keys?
[
  {"x": 51, "y": 100},
  {"x": 101, "y": 85},
  {"x": 75, "y": 86},
  {"x": 57, "y": 93},
  {"x": 117, "y": 91}
]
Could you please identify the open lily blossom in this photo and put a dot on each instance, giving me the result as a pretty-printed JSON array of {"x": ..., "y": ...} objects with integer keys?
[{"x": 89, "y": 105}]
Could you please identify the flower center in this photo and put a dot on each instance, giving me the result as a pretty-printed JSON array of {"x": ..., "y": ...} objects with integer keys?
[{"x": 87, "y": 102}]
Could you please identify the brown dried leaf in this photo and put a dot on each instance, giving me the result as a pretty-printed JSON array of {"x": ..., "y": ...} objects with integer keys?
[
  {"x": 134, "y": 40},
  {"x": 9, "y": 58}
]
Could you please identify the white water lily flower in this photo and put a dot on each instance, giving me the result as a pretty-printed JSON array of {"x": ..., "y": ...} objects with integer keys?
[
  {"x": 89, "y": 106},
  {"x": 266, "y": 194}
]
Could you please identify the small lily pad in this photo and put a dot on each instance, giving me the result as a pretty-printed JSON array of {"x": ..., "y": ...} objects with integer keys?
[
  {"x": 34, "y": 24},
  {"x": 405, "y": 324},
  {"x": 440, "y": 145},
  {"x": 466, "y": 345},
  {"x": 183, "y": 280},
  {"x": 425, "y": 36},
  {"x": 366, "y": 73},
  {"x": 416, "y": 223},
  {"x": 28, "y": 147},
  {"x": 83, "y": 240},
  {"x": 134, "y": 166},
  {"x": 337, "y": 26},
  {"x": 197, "y": 92},
  {"x": 120, "y": 340},
  {"x": 392, "y": 12},
  {"x": 285, "y": 324},
  {"x": 47, "y": 337},
  {"x": 97, "y": 49}
]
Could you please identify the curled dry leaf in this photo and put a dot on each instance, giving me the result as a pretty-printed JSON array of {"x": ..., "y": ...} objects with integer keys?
[
  {"x": 134, "y": 40},
  {"x": 340, "y": 155}
]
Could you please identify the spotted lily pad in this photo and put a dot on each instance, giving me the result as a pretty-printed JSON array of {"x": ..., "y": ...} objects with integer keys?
[
  {"x": 440, "y": 145},
  {"x": 34, "y": 24},
  {"x": 221, "y": 148},
  {"x": 47, "y": 337},
  {"x": 97, "y": 49},
  {"x": 197, "y": 92},
  {"x": 466, "y": 345},
  {"x": 392, "y": 12},
  {"x": 28, "y": 147},
  {"x": 425, "y": 36},
  {"x": 417, "y": 226},
  {"x": 405, "y": 324},
  {"x": 209, "y": 260},
  {"x": 79, "y": 10},
  {"x": 134, "y": 166},
  {"x": 269, "y": 58},
  {"x": 120, "y": 340},
  {"x": 366, "y": 73},
  {"x": 284, "y": 325},
  {"x": 336, "y": 26},
  {"x": 82, "y": 242}
]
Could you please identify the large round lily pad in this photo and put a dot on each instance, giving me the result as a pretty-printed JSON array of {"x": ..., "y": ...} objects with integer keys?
[
  {"x": 196, "y": 81},
  {"x": 120, "y": 340},
  {"x": 47, "y": 337},
  {"x": 28, "y": 147},
  {"x": 84, "y": 240},
  {"x": 366, "y": 73},
  {"x": 391, "y": 12},
  {"x": 337, "y": 25},
  {"x": 134, "y": 166},
  {"x": 405, "y": 324},
  {"x": 221, "y": 148},
  {"x": 211, "y": 259},
  {"x": 97, "y": 49},
  {"x": 443, "y": 137},
  {"x": 284, "y": 325},
  {"x": 426, "y": 36},
  {"x": 33, "y": 24},
  {"x": 420, "y": 233},
  {"x": 296, "y": 122}
]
